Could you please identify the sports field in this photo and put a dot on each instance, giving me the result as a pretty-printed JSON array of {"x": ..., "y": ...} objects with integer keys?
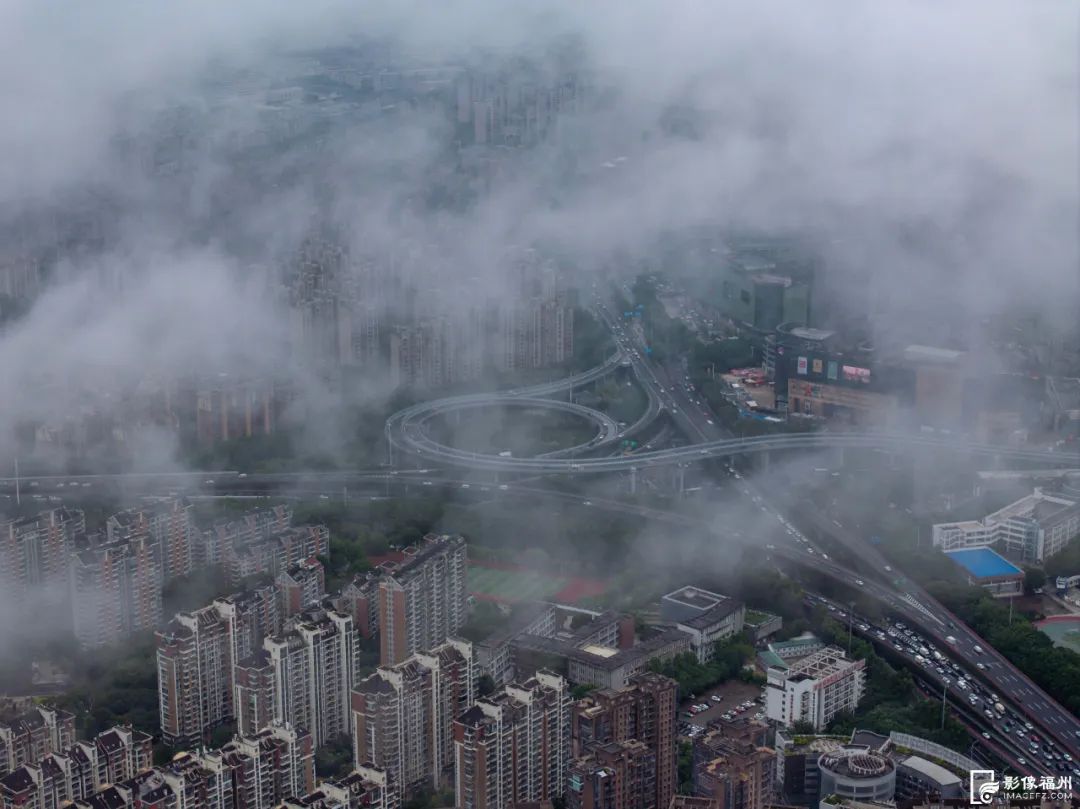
[
  {"x": 1063, "y": 631},
  {"x": 512, "y": 585},
  {"x": 506, "y": 583}
]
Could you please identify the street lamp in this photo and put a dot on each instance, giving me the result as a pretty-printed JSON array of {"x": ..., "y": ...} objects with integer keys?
[{"x": 944, "y": 693}]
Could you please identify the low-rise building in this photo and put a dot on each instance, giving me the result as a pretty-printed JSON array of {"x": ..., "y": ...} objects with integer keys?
[
  {"x": 815, "y": 688},
  {"x": 853, "y": 771},
  {"x": 986, "y": 569},
  {"x": 711, "y": 627},
  {"x": 1032, "y": 529}
]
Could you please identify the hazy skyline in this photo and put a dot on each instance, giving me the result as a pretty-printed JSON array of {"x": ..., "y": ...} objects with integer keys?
[{"x": 859, "y": 123}]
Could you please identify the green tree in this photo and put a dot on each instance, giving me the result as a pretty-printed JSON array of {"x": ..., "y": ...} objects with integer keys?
[
  {"x": 686, "y": 768},
  {"x": 1034, "y": 579}
]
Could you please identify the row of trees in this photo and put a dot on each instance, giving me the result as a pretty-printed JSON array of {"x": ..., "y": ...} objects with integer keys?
[
  {"x": 694, "y": 677},
  {"x": 892, "y": 701},
  {"x": 1056, "y": 669}
]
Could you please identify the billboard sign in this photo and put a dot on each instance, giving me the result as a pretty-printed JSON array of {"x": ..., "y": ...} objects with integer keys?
[
  {"x": 853, "y": 373},
  {"x": 817, "y": 366},
  {"x": 832, "y": 369},
  {"x": 802, "y": 366}
]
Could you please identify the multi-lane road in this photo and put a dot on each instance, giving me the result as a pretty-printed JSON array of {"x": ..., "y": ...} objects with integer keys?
[{"x": 668, "y": 391}]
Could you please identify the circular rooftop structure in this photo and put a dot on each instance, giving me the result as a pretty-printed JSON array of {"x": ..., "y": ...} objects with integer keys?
[{"x": 855, "y": 772}]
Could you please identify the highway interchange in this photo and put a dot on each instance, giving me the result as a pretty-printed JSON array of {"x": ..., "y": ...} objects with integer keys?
[{"x": 667, "y": 391}]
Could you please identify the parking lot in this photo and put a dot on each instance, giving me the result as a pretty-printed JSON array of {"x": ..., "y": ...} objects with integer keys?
[{"x": 732, "y": 694}]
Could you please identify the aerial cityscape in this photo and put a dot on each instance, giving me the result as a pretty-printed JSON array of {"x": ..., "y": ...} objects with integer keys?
[{"x": 552, "y": 405}]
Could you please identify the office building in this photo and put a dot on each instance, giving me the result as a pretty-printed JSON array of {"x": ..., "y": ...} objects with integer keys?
[
  {"x": 28, "y": 737},
  {"x": 314, "y": 666},
  {"x": 708, "y": 618},
  {"x": 34, "y": 554},
  {"x": 422, "y": 597},
  {"x": 1030, "y": 530},
  {"x": 403, "y": 715},
  {"x": 814, "y": 688},
  {"x": 599, "y": 649},
  {"x": 513, "y": 747},
  {"x": 170, "y": 525},
  {"x": 494, "y": 653},
  {"x": 617, "y": 775},
  {"x": 115, "y": 587},
  {"x": 644, "y": 710}
]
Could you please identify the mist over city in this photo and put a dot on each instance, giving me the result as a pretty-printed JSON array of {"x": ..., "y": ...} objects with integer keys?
[{"x": 570, "y": 405}]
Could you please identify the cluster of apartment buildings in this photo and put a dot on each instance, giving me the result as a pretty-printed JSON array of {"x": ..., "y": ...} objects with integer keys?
[
  {"x": 112, "y": 580},
  {"x": 42, "y": 767},
  {"x": 285, "y": 657},
  {"x": 286, "y": 652}
]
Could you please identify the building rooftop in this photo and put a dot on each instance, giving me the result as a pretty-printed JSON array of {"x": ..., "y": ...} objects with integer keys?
[
  {"x": 822, "y": 663},
  {"x": 622, "y": 657},
  {"x": 716, "y": 615},
  {"x": 930, "y": 354},
  {"x": 983, "y": 563},
  {"x": 934, "y": 772},
  {"x": 696, "y": 597},
  {"x": 807, "y": 333}
]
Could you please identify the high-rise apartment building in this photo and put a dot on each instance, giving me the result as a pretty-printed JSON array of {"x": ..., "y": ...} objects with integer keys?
[
  {"x": 226, "y": 536},
  {"x": 644, "y": 710},
  {"x": 616, "y": 775},
  {"x": 276, "y": 552},
  {"x": 34, "y": 553},
  {"x": 363, "y": 788},
  {"x": 195, "y": 676},
  {"x": 314, "y": 666},
  {"x": 115, "y": 587},
  {"x": 403, "y": 715},
  {"x": 113, "y": 771},
  {"x": 513, "y": 747},
  {"x": 170, "y": 524},
  {"x": 198, "y": 654},
  {"x": 422, "y": 598},
  {"x": 27, "y": 738},
  {"x": 268, "y": 766},
  {"x": 300, "y": 586},
  {"x": 77, "y": 773},
  {"x": 736, "y": 770}
]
